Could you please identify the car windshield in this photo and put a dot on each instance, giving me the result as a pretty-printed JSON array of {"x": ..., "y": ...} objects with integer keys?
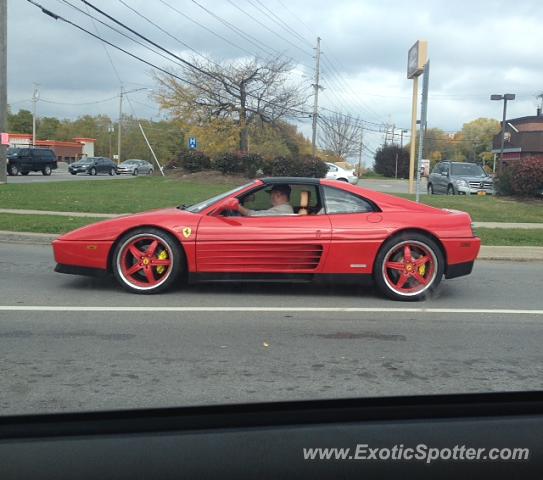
[
  {"x": 467, "y": 170},
  {"x": 198, "y": 207}
]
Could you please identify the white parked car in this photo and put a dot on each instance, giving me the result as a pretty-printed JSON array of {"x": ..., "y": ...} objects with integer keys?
[{"x": 335, "y": 172}]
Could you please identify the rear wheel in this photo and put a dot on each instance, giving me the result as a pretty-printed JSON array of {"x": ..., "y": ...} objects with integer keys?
[
  {"x": 13, "y": 170},
  {"x": 342, "y": 180},
  {"x": 73, "y": 173},
  {"x": 430, "y": 189},
  {"x": 409, "y": 267},
  {"x": 147, "y": 260},
  {"x": 135, "y": 172},
  {"x": 46, "y": 170},
  {"x": 112, "y": 172},
  {"x": 450, "y": 190},
  {"x": 150, "y": 171}
]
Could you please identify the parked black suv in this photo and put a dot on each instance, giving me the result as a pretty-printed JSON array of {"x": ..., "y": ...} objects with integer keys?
[
  {"x": 93, "y": 166},
  {"x": 25, "y": 160}
]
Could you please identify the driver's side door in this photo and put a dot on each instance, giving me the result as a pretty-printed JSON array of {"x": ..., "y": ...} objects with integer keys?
[{"x": 272, "y": 244}]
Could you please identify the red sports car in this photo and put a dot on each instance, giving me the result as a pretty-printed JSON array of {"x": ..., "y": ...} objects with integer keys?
[{"x": 280, "y": 229}]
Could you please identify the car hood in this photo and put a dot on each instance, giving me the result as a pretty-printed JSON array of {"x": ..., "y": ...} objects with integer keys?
[{"x": 173, "y": 220}]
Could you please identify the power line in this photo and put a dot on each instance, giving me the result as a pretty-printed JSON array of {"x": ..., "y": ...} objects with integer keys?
[
  {"x": 274, "y": 18},
  {"x": 98, "y": 37},
  {"x": 224, "y": 39},
  {"x": 79, "y": 103}
]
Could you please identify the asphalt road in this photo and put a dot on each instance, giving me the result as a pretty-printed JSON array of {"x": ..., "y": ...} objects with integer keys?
[
  {"x": 232, "y": 343},
  {"x": 390, "y": 185},
  {"x": 37, "y": 177}
]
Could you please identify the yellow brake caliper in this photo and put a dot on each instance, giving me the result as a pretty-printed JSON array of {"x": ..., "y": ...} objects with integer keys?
[
  {"x": 422, "y": 270},
  {"x": 162, "y": 256}
]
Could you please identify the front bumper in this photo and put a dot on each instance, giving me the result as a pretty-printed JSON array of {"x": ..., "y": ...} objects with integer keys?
[
  {"x": 120, "y": 171},
  {"x": 353, "y": 180},
  {"x": 468, "y": 190},
  {"x": 91, "y": 254}
]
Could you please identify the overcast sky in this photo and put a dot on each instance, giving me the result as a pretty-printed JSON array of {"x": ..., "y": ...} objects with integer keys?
[{"x": 476, "y": 48}]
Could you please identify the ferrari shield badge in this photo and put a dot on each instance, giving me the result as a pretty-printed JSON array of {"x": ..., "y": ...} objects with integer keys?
[{"x": 186, "y": 232}]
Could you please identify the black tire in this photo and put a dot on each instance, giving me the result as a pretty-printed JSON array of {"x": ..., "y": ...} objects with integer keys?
[
  {"x": 174, "y": 250},
  {"x": 112, "y": 172},
  {"x": 342, "y": 180},
  {"x": 430, "y": 189},
  {"x": 416, "y": 241},
  {"x": 73, "y": 173},
  {"x": 46, "y": 170},
  {"x": 25, "y": 173},
  {"x": 450, "y": 190},
  {"x": 13, "y": 170},
  {"x": 135, "y": 172},
  {"x": 150, "y": 171},
  {"x": 93, "y": 171}
]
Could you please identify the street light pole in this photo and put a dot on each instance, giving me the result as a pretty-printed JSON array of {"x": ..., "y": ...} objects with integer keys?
[
  {"x": 3, "y": 85},
  {"x": 119, "y": 127},
  {"x": 504, "y": 97}
]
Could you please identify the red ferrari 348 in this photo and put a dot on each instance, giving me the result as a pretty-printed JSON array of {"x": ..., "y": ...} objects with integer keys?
[{"x": 280, "y": 229}]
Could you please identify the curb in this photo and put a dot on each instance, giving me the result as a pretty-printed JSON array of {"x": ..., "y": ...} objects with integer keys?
[
  {"x": 27, "y": 237},
  {"x": 495, "y": 253}
]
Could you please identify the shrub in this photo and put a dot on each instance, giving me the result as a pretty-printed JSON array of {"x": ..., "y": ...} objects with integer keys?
[
  {"x": 191, "y": 161},
  {"x": 306, "y": 166},
  {"x": 237, "y": 163},
  {"x": 521, "y": 177}
]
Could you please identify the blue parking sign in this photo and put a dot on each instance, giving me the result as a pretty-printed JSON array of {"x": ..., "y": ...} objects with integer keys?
[{"x": 193, "y": 143}]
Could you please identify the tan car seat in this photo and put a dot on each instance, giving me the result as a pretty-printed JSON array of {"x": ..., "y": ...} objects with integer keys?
[{"x": 305, "y": 198}]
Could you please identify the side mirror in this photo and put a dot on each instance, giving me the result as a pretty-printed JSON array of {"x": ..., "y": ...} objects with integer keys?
[{"x": 228, "y": 204}]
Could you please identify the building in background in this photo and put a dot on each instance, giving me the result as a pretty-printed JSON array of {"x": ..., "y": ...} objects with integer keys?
[
  {"x": 65, "y": 151},
  {"x": 523, "y": 139}
]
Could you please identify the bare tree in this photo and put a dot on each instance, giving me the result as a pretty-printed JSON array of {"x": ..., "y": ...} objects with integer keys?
[
  {"x": 340, "y": 135},
  {"x": 240, "y": 91}
]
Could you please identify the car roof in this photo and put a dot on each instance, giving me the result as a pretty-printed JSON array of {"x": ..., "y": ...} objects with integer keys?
[{"x": 297, "y": 180}]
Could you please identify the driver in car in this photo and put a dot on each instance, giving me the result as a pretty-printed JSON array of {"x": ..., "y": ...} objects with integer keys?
[{"x": 280, "y": 198}]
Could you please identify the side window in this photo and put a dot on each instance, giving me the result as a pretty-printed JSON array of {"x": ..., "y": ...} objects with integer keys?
[
  {"x": 332, "y": 168},
  {"x": 300, "y": 194},
  {"x": 340, "y": 201},
  {"x": 437, "y": 168}
]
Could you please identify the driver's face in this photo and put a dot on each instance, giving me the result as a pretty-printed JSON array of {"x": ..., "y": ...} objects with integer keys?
[{"x": 278, "y": 198}]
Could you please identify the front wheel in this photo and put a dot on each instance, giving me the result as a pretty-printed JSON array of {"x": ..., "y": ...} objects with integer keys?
[
  {"x": 150, "y": 171},
  {"x": 13, "y": 170},
  {"x": 25, "y": 173},
  {"x": 92, "y": 171},
  {"x": 430, "y": 189},
  {"x": 112, "y": 172},
  {"x": 147, "y": 260},
  {"x": 450, "y": 190},
  {"x": 409, "y": 267},
  {"x": 135, "y": 172}
]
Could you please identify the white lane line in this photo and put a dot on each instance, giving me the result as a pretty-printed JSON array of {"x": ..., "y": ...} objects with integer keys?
[{"x": 78, "y": 308}]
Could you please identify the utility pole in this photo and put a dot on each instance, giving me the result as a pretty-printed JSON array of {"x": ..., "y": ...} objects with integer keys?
[
  {"x": 35, "y": 98},
  {"x": 316, "y": 86},
  {"x": 422, "y": 129},
  {"x": 360, "y": 151},
  {"x": 3, "y": 84},
  {"x": 119, "y": 127}
]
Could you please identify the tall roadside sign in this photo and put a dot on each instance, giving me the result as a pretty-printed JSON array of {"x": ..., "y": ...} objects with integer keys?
[{"x": 416, "y": 60}]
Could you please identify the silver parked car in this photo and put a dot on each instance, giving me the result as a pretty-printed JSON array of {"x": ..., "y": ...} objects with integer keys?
[
  {"x": 135, "y": 167},
  {"x": 459, "y": 178}
]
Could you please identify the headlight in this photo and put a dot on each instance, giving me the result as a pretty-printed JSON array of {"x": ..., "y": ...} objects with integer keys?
[{"x": 461, "y": 183}]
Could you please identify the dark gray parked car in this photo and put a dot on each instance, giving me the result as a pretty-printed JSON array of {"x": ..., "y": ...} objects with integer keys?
[
  {"x": 93, "y": 166},
  {"x": 459, "y": 178}
]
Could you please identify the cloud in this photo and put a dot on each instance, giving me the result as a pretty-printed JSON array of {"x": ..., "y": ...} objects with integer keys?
[{"x": 476, "y": 48}]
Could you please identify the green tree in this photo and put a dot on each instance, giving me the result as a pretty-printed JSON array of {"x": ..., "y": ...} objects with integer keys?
[
  {"x": 20, "y": 122},
  {"x": 391, "y": 161},
  {"x": 47, "y": 128},
  {"x": 477, "y": 137}
]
